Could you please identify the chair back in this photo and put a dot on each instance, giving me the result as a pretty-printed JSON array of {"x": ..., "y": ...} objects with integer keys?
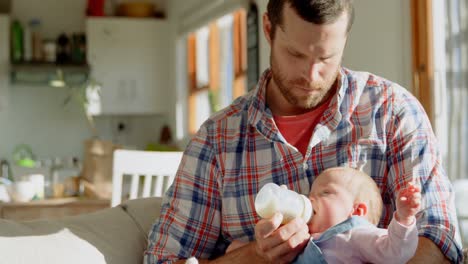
[{"x": 156, "y": 168}]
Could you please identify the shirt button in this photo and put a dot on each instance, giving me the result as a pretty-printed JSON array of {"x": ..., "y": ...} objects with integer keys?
[{"x": 305, "y": 166}]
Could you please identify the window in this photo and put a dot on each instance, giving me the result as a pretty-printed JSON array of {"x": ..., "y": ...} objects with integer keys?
[{"x": 217, "y": 66}]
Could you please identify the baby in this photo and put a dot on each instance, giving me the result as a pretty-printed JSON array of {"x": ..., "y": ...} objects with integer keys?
[{"x": 347, "y": 207}]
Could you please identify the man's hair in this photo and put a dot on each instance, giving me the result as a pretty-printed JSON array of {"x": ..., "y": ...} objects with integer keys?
[{"x": 315, "y": 11}]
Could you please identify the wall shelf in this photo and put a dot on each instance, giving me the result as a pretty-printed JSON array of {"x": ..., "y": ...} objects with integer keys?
[{"x": 40, "y": 73}]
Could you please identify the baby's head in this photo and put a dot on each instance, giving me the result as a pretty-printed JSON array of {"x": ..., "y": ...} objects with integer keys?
[{"x": 338, "y": 193}]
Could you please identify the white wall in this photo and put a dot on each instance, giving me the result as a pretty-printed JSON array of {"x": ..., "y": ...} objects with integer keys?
[
  {"x": 380, "y": 40},
  {"x": 4, "y": 62}
]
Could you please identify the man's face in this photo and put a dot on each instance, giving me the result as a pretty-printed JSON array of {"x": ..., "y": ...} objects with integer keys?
[{"x": 305, "y": 61}]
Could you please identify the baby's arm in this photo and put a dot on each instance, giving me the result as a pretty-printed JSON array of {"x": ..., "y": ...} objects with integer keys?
[
  {"x": 408, "y": 204},
  {"x": 397, "y": 244},
  {"x": 400, "y": 243}
]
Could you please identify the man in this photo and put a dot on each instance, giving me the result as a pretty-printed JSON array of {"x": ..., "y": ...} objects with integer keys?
[{"x": 306, "y": 115}]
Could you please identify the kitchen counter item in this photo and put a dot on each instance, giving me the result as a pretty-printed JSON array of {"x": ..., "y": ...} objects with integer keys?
[
  {"x": 97, "y": 165},
  {"x": 21, "y": 191},
  {"x": 4, "y": 196},
  {"x": 5, "y": 171},
  {"x": 136, "y": 9},
  {"x": 23, "y": 156}
]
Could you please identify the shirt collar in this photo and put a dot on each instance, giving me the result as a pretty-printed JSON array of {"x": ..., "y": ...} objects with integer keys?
[{"x": 260, "y": 116}]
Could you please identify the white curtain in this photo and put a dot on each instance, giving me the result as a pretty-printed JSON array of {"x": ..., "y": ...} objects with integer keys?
[
  {"x": 450, "y": 24},
  {"x": 226, "y": 62},
  {"x": 203, "y": 56},
  {"x": 456, "y": 46}
]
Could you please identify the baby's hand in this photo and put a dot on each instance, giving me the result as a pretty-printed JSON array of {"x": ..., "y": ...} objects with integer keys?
[{"x": 408, "y": 204}]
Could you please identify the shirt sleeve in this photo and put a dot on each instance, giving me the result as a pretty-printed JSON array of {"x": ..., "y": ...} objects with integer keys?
[
  {"x": 395, "y": 245},
  {"x": 413, "y": 155},
  {"x": 189, "y": 224}
]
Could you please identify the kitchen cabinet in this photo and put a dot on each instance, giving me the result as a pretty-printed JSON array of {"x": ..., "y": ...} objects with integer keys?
[
  {"x": 129, "y": 58},
  {"x": 4, "y": 60}
]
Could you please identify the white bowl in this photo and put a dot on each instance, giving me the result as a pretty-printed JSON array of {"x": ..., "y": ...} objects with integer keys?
[
  {"x": 21, "y": 191},
  {"x": 4, "y": 196}
]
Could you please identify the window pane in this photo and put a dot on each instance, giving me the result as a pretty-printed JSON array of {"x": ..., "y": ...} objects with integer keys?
[
  {"x": 203, "y": 110},
  {"x": 226, "y": 70},
  {"x": 202, "y": 57}
]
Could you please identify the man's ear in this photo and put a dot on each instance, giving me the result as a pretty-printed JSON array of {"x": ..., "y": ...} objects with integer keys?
[
  {"x": 360, "y": 209},
  {"x": 267, "y": 27}
]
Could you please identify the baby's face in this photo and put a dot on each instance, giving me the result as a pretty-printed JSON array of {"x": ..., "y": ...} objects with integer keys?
[{"x": 331, "y": 201}]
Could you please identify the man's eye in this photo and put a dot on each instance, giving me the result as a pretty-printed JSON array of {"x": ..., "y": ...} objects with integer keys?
[
  {"x": 326, "y": 59},
  {"x": 295, "y": 54}
]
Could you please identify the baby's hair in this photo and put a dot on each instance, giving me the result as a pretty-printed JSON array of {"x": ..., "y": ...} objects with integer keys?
[{"x": 365, "y": 190}]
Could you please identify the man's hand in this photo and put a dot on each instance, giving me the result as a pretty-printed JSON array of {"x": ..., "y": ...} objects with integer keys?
[
  {"x": 408, "y": 204},
  {"x": 280, "y": 244}
]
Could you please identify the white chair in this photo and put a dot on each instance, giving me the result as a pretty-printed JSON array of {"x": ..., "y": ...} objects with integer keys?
[{"x": 158, "y": 169}]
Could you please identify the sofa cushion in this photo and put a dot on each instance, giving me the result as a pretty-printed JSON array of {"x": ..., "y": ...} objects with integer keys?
[
  {"x": 112, "y": 232},
  {"x": 60, "y": 247},
  {"x": 144, "y": 211}
]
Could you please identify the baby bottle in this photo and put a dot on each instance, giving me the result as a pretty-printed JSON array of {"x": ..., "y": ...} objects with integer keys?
[{"x": 272, "y": 198}]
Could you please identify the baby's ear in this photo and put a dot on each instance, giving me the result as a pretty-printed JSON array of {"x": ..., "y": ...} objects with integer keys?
[{"x": 360, "y": 209}]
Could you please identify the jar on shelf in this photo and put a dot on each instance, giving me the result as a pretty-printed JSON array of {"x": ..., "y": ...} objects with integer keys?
[
  {"x": 36, "y": 38},
  {"x": 50, "y": 50}
]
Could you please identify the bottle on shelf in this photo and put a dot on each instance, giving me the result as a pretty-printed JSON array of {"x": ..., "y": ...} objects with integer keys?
[
  {"x": 78, "y": 48},
  {"x": 63, "y": 49},
  {"x": 16, "y": 41}
]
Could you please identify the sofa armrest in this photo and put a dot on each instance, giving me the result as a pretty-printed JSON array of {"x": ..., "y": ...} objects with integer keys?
[{"x": 144, "y": 212}]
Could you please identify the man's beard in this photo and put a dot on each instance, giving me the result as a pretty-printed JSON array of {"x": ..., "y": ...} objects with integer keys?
[{"x": 308, "y": 102}]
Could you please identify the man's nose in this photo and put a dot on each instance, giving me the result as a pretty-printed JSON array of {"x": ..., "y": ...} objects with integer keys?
[{"x": 313, "y": 72}]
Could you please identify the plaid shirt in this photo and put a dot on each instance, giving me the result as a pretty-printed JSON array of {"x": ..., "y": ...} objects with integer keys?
[{"x": 371, "y": 123}]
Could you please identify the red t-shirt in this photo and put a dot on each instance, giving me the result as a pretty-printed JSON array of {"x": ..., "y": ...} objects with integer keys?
[{"x": 297, "y": 130}]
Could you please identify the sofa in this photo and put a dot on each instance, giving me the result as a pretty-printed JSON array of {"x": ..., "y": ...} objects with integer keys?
[{"x": 116, "y": 235}]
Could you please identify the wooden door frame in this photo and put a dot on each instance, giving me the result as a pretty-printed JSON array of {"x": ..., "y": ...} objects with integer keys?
[{"x": 423, "y": 58}]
